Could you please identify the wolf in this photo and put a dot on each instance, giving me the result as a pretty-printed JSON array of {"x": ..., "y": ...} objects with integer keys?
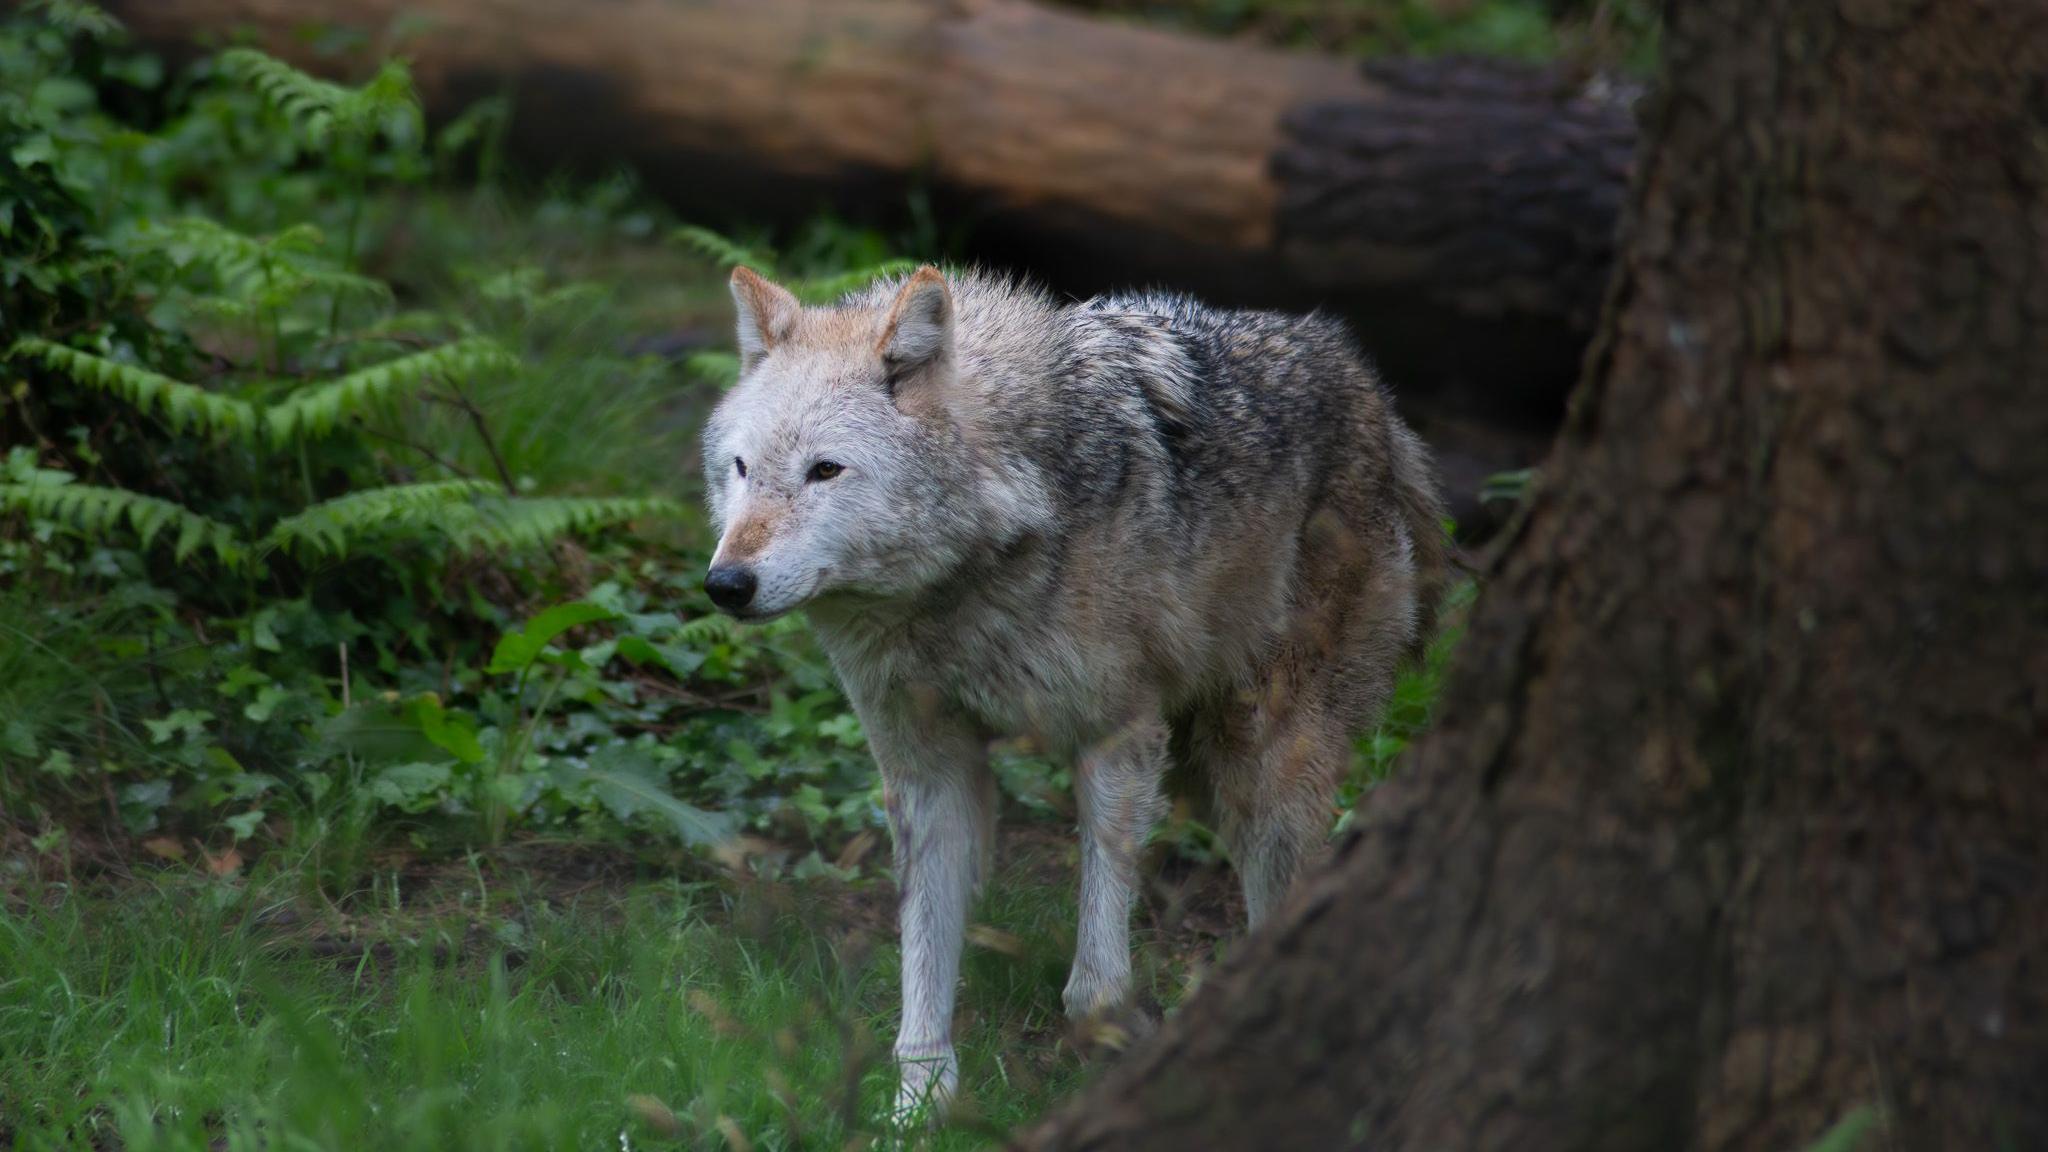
[{"x": 1156, "y": 537}]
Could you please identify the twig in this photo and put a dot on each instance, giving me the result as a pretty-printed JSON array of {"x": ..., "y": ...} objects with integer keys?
[
  {"x": 156, "y": 679},
  {"x": 422, "y": 449},
  {"x": 483, "y": 431}
]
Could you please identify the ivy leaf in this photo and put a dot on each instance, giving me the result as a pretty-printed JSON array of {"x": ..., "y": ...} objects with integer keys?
[
  {"x": 245, "y": 824},
  {"x": 263, "y": 631},
  {"x": 266, "y": 702},
  {"x": 410, "y": 787},
  {"x": 679, "y": 661},
  {"x": 185, "y": 722}
]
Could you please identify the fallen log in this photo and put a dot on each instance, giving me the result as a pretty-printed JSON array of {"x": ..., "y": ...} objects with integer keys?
[{"x": 1461, "y": 213}]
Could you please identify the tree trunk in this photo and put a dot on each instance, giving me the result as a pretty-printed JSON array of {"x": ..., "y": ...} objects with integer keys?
[
  {"x": 1461, "y": 213},
  {"x": 1735, "y": 823}
]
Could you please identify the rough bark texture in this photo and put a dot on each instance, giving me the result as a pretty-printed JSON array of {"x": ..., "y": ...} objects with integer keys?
[
  {"x": 1738, "y": 821},
  {"x": 1462, "y": 214}
]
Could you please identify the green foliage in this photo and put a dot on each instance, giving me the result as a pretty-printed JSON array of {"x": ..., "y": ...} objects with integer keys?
[
  {"x": 97, "y": 511},
  {"x": 317, "y": 411},
  {"x": 186, "y": 407},
  {"x": 1851, "y": 1132},
  {"x": 331, "y": 526},
  {"x": 326, "y": 113},
  {"x": 723, "y": 251},
  {"x": 514, "y": 523},
  {"x": 210, "y": 370},
  {"x": 799, "y": 275}
]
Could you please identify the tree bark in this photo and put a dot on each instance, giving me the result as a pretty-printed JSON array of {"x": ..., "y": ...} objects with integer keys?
[
  {"x": 1461, "y": 213},
  {"x": 1735, "y": 823}
]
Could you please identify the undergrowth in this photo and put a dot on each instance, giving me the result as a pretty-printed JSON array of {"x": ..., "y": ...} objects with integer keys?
[{"x": 296, "y": 437}]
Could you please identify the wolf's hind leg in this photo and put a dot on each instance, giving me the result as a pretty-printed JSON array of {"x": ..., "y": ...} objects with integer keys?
[
  {"x": 1276, "y": 810},
  {"x": 1118, "y": 786}
]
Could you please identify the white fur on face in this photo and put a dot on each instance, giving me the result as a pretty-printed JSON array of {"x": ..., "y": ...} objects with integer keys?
[{"x": 859, "y": 531}]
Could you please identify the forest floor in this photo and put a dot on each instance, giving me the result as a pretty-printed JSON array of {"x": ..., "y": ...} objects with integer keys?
[{"x": 546, "y": 994}]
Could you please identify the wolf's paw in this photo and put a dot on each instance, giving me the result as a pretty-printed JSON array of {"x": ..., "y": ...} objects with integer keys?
[
  {"x": 931, "y": 1078},
  {"x": 1108, "y": 1031}
]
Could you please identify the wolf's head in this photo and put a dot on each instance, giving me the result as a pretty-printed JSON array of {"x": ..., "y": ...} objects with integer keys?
[{"x": 835, "y": 464}]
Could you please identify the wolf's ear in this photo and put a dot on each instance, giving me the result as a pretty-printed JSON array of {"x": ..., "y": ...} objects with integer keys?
[
  {"x": 918, "y": 336},
  {"x": 767, "y": 314}
]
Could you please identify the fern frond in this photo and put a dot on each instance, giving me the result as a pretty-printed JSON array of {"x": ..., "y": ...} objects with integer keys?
[
  {"x": 77, "y": 18},
  {"x": 323, "y": 110},
  {"x": 183, "y": 405},
  {"x": 514, "y": 524},
  {"x": 826, "y": 289},
  {"x": 98, "y": 510},
  {"x": 189, "y": 240},
  {"x": 388, "y": 104},
  {"x": 306, "y": 101},
  {"x": 723, "y": 251},
  {"x": 721, "y": 368},
  {"x": 707, "y": 630},
  {"x": 328, "y": 283},
  {"x": 329, "y": 527},
  {"x": 316, "y": 411}
]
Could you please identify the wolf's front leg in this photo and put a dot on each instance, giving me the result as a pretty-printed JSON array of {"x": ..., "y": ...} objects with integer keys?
[
  {"x": 940, "y": 799},
  {"x": 1117, "y": 784}
]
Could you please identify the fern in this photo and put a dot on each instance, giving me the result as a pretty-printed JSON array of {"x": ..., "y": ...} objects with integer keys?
[
  {"x": 722, "y": 251},
  {"x": 707, "y": 630},
  {"x": 316, "y": 411},
  {"x": 98, "y": 510},
  {"x": 76, "y": 18},
  {"x": 324, "y": 111},
  {"x": 329, "y": 527},
  {"x": 189, "y": 240},
  {"x": 260, "y": 273},
  {"x": 183, "y": 405},
  {"x": 721, "y": 368},
  {"x": 826, "y": 289},
  {"x": 516, "y": 524}
]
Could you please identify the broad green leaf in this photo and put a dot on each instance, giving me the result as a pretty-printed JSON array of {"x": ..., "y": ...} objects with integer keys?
[
  {"x": 521, "y": 647},
  {"x": 452, "y": 732},
  {"x": 627, "y": 786},
  {"x": 410, "y": 787}
]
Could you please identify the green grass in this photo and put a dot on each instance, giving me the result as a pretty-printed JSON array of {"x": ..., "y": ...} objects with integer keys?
[{"x": 191, "y": 1013}]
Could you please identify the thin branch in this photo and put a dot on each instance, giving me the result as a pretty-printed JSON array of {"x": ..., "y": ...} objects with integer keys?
[
  {"x": 422, "y": 449},
  {"x": 483, "y": 431}
]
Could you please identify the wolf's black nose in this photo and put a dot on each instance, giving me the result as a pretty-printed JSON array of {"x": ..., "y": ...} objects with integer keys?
[{"x": 731, "y": 586}]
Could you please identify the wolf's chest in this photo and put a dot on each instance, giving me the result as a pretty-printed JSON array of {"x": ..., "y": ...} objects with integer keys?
[{"x": 1014, "y": 676}]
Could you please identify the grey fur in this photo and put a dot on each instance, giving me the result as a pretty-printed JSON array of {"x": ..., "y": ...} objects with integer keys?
[{"x": 1151, "y": 534}]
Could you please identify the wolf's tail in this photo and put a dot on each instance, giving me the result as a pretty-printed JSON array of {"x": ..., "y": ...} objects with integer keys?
[{"x": 1422, "y": 511}]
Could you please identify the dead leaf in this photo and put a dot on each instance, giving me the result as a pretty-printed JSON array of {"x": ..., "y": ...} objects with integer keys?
[
  {"x": 655, "y": 1114},
  {"x": 734, "y": 1138},
  {"x": 226, "y": 864},
  {"x": 164, "y": 848},
  {"x": 711, "y": 1010},
  {"x": 995, "y": 940},
  {"x": 856, "y": 850},
  {"x": 734, "y": 851}
]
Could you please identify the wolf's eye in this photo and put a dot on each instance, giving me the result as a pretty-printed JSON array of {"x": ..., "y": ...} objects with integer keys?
[
  {"x": 825, "y": 470},
  {"x": 741, "y": 465}
]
